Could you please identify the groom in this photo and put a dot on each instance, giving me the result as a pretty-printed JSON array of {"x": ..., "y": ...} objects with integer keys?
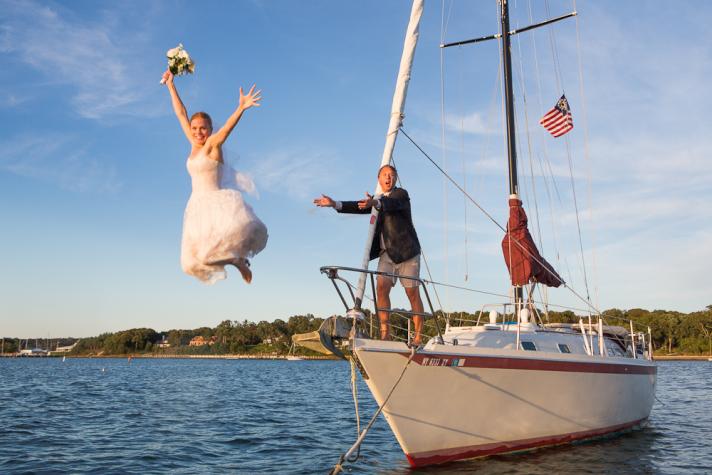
[{"x": 395, "y": 243}]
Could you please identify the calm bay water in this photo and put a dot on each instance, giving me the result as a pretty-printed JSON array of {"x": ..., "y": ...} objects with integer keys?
[{"x": 243, "y": 416}]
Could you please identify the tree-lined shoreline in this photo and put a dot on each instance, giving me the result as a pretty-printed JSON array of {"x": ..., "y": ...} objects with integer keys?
[{"x": 673, "y": 333}]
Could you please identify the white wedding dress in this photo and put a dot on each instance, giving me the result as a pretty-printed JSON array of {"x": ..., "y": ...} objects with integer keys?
[{"x": 218, "y": 226}]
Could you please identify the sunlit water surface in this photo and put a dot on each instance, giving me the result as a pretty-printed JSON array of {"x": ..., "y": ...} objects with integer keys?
[{"x": 240, "y": 416}]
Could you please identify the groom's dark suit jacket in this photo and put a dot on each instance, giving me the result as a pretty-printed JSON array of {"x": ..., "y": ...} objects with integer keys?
[{"x": 394, "y": 224}]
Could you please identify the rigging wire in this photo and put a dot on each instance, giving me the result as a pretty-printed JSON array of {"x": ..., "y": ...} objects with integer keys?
[
  {"x": 422, "y": 251},
  {"x": 549, "y": 200},
  {"x": 447, "y": 22},
  {"x": 529, "y": 143},
  {"x": 484, "y": 150},
  {"x": 552, "y": 178},
  {"x": 587, "y": 157},
  {"x": 578, "y": 222},
  {"x": 529, "y": 149},
  {"x": 443, "y": 144},
  {"x": 496, "y": 87},
  {"x": 435, "y": 284},
  {"x": 559, "y": 83},
  {"x": 496, "y": 223},
  {"x": 568, "y": 268},
  {"x": 463, "y": 189},
  {"x": 464, "y": 176},
  {"x": 348, "y": 456},
  {"x": 554, "y": 51},
  {"x": 430, "y": 275},
  {"x": 544, "y": 148},
  {"x": 354, "y": 393},
  {"x": 457, "y": 185}
]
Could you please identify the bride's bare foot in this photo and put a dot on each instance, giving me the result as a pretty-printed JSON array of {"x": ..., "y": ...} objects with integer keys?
[{"x": 243, "y": 265}]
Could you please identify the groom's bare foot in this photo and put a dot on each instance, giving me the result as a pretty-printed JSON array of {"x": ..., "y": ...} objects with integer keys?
[{"x": 243, "y": 265}]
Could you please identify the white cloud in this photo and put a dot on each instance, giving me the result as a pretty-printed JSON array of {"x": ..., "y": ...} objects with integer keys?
[
  {"x": 472, "y": 123},
  {"x": 653, "y": 270},
  {"x": 98, "y": 60},
  {"x": 299, "y": 173},
  {"x": 60, "y": 160},
  {"x": 10, "y": 100}
]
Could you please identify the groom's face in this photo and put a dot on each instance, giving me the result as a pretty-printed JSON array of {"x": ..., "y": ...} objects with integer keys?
[{"x": 387, "y": 179}]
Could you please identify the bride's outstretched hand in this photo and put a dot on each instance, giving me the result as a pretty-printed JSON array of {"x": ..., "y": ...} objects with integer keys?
[
  {"x": 251, "y": 99},
  {"x": 167, "y": 77}
]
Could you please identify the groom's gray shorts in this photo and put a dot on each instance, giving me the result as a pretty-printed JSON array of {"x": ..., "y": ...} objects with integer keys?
[{"x": 409, "y": 268}]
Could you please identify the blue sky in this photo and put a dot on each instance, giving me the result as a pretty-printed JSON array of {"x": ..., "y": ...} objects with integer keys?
[{"x": 92, "y": 161}]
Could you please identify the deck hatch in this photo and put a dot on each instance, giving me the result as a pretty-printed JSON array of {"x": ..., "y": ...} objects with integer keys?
[
  {"x": 564, "y": 348},
  {"x": 528, "y": 345}
]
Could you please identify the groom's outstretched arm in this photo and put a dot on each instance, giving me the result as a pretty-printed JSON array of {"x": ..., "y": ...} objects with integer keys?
[
  {"x": 352, "y": 207},
  {"x": 358, "y": 207},
  {"x": 341, "y": 206}
]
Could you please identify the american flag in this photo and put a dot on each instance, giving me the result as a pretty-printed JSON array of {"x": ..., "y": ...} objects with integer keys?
[{"x": 558, "y": 120}]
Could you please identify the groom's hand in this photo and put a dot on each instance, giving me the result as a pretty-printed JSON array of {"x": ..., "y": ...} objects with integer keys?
[
  {"x": 367, "y": 202},
  {"x": 325, "y": 202}
]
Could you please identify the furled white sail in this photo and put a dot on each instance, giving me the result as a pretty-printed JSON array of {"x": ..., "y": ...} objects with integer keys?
[{"x": 406, "y": 64}]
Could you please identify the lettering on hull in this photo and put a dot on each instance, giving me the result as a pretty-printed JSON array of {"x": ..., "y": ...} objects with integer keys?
[{"x": 443, "y": 361}]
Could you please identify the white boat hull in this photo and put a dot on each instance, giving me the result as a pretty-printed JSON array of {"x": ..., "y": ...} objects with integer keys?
[{"x": 457, "y": 402}]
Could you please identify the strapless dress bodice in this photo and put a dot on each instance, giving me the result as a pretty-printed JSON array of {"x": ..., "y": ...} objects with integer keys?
[{"x": 205, "y": 173}]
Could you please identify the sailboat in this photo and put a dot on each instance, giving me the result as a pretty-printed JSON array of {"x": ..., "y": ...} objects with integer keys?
[
  {"x": 291, "y": 355},
  {"x": 506, "y": 382}
]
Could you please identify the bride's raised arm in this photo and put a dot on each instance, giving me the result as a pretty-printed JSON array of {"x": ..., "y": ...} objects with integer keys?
[
  {"x": 178, "y": 106},
  {"x": 251, "y": 99}
]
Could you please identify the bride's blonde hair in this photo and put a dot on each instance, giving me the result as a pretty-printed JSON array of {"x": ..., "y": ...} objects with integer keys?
[{"x": 202, "y": 115}]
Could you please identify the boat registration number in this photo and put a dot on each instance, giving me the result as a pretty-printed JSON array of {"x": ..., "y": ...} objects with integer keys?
[{"x": 443, "y": 362}]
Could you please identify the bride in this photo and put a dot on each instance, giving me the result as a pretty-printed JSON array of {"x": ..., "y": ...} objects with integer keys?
[{"x": 219, "y": 228}]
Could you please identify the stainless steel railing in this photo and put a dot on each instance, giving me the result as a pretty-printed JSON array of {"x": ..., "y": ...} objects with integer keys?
[{"x": 333, "y": 273}]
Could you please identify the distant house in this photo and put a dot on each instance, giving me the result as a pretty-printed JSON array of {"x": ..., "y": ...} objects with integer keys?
[
  {"x": 272, "y": 340},
  {"x": 198, "y": 341},
  {"x": 201, "y": 341},
  {"x": 163, "y": 343}
]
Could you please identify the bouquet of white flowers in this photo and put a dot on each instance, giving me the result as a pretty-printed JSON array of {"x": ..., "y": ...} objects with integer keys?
[{"x": 179, "y": 61}]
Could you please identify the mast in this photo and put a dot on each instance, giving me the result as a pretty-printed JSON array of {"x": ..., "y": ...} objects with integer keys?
[
  {"x": 504, "y": 36},
  {"x": 397, "y": 107},
  {"x": 509, "y": 98},
  {"x": 509, "y": 117}
]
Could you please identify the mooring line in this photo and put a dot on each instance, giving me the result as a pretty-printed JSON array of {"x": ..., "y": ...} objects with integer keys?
[{"x": 347, "y": 457}]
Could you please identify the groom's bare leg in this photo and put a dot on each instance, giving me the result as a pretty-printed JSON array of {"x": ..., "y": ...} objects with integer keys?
[{"x": 383, "y": 291}]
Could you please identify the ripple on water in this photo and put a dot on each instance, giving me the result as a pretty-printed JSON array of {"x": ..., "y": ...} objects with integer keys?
[{"x": 187, "y": 416}]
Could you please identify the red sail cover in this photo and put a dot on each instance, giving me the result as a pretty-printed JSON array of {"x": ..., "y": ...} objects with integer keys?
[{"x": 523, "y": 260}]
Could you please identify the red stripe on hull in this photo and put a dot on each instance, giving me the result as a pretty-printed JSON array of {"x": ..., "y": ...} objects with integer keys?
[
  {"x": 498, "y": 362},
  {"x": 461, "y": 453}
]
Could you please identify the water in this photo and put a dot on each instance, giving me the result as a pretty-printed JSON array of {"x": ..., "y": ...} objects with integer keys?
[{"x": 240, "y": 416}]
